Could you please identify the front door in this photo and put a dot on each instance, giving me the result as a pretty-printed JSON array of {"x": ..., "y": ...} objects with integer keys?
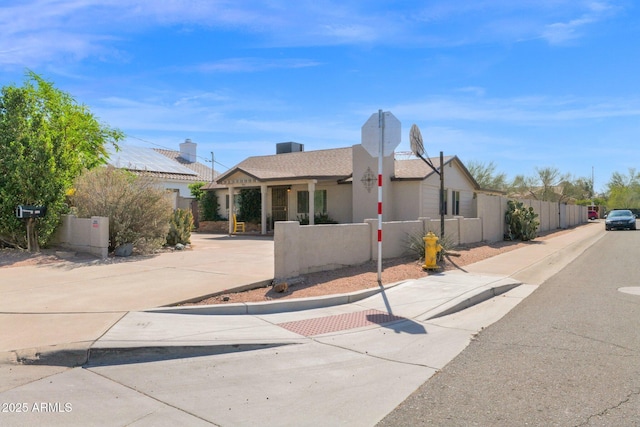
[{"x": 279, "y": 203}]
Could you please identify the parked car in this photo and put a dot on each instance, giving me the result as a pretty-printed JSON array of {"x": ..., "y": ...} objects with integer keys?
[
  {"x": 592, "y": 215},
  {"x": 620, "y": 218}
]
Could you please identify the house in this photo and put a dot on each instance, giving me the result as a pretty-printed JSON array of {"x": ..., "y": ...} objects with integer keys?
[
  {"x": 174, "y": 170},
  {"x": 344, "y": 184}
]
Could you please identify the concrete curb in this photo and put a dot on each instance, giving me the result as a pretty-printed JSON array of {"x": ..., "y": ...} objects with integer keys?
[
  {"x": 271, "y": 307},
  {"x": 243, "y": 288},
  {"x": 463, "y": 302},
  {"x": 85, "y": 355}
]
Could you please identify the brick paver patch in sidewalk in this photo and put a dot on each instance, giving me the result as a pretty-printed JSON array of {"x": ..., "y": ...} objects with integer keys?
[{"x": 339, "y": 322}]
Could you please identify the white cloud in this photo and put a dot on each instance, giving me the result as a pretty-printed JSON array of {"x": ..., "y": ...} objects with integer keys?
[
  {"x": 234, "y": 65},
  {"x": 518, "y": 111},
  {"x": 34, "y": 32}
]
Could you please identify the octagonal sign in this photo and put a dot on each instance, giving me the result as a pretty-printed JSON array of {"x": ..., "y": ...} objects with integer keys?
[{"x": 371, "y": 134}]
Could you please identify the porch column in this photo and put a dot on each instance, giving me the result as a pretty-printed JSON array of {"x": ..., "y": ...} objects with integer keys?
[
  {"x": 312, "y": 201},
  {"x": 263, "y": 208},
  {"x": 231, "y": 209}
]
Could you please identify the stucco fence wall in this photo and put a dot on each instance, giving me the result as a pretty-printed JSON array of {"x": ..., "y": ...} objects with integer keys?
[
  {"x": 311, "y": 248},
  {"x": 90, "y": 235}
]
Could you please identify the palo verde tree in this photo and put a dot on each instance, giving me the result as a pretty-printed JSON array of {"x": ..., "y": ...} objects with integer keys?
[{"x": 46, "y": 140}]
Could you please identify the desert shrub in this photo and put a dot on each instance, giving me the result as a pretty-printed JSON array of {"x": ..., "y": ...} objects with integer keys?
[
  {"x": 138, "y": 210},
  {"x": 520, "y": 221},
  {"x": 180, "y": 227}
]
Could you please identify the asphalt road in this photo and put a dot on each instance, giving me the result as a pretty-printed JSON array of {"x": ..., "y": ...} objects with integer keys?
[{"x": 568, "y": 355}]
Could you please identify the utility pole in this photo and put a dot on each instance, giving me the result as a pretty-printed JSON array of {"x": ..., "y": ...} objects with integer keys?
[{"x": 213, "y": 173}]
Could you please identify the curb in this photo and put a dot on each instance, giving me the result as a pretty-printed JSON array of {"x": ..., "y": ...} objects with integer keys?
[
  {"x": 271, "y": 307},
  {"x": 84, "y": 355}
]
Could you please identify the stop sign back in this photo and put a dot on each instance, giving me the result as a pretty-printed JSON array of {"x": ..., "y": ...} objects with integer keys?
[{"x": 371, "y": 133}]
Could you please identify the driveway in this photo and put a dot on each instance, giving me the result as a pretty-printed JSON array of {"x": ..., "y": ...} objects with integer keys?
[{"x": 79, "y": 299}]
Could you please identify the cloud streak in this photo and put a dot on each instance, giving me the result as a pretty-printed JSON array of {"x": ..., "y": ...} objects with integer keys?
[{"x": 34, "y": 32}]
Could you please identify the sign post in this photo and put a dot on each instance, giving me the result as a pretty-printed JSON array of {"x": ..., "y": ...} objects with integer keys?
[{"x": 383, "y": 128}]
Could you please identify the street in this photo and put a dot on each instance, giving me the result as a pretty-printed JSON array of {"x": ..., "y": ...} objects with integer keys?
[{"x": 568, "y": 355}]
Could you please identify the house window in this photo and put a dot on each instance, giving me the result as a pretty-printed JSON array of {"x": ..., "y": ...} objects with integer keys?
[
  {"x": 303, "y": 202},
  {"x": 443, "y": 208},
  {"x": 236, "y": 201},
  {"x": 319, "y": 201},
  {"x": 456, "y": 203}
]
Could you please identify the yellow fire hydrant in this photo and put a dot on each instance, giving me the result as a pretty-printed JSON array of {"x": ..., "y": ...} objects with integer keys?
[{"x": 431, "y": 249}]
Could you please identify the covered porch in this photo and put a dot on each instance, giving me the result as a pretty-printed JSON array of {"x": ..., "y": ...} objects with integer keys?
[{"x": 275, "y": 199}]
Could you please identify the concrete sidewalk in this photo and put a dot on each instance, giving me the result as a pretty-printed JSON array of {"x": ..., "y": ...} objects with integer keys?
[{"x": 306, "y": 362}]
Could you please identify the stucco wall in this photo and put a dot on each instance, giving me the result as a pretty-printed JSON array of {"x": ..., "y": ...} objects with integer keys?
[
  {"x": 309, "y": 248},
  {"x": 405, "y": 200},
  {"x": 305, "y": 249},
  {"x": 365, "y": 200},
  {"x": 90, "y": 235}
]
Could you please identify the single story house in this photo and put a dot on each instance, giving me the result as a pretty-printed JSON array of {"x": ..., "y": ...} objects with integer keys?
[
  {"x": 174, "y": 170},
  {"x": 344, "y": 184}
]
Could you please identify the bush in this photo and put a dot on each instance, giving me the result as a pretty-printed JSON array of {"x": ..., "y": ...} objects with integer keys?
[
  {"x": 520, "y": 221},
  {"x": 137, "y": 209},
  {"x": 180, "y": 227},
  {"x": 250, "y": 205},
  {"x": 208, "y": 205},
  {"x": 318, "y": 218}
]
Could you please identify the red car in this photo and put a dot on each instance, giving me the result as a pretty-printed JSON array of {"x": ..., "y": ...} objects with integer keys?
[{"x": 593, "y": 215}]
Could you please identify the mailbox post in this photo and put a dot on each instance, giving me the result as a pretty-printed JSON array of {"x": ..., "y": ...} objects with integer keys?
[
  {"x": 30, "y": 214},
  {"x": 27, "y": 211}
]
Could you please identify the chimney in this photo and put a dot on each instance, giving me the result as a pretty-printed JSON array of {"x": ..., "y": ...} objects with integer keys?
[{"x": 188, "y": 150}]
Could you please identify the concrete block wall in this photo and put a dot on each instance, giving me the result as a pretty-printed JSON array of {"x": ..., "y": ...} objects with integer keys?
[
  {"x": 89, "y": 235},
  {"x": 310, "y": 248},
  {"x": 306, "y": 249}
]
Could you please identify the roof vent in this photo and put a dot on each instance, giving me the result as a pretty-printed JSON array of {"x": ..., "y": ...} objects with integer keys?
[{"x": 289, "y": 147}]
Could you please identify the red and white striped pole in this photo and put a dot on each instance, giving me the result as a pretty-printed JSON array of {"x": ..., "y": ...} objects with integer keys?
[{"x": 380, "y": 157}]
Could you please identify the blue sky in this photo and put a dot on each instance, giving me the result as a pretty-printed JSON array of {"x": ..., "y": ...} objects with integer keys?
[{"x": 525, "y": 84}]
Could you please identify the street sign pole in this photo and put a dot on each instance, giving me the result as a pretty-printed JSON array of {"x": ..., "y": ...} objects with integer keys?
[
  {"x": 380, "y": 157},
  {"x": 380, "y": 137}
]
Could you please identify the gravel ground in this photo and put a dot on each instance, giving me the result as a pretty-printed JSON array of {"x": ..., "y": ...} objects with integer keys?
[{"x": 365, "y": 276}]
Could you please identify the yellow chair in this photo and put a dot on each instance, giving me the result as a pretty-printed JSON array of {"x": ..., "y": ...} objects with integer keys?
[{"x": 237, "y": 225}]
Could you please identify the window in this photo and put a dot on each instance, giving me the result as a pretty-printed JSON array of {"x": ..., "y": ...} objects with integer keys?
[
  {"x": 456, "y": 203},
  {"x": 319, "y": 201},
  {"x": 303, "y": 202},
  {"x": 443, "y": 208}
]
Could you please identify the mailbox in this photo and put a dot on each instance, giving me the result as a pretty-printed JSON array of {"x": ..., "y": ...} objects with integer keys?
[{"x": 26, "y": 211}]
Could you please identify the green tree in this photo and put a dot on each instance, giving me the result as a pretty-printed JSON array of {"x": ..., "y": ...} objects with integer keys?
[
  {"x": 196, "y": 189},
  {"x": 486, "y": 176},
  {"x": 209, "y": 206},
  {"x": 250, "y": 205},
  {"x": 46, "y": 140},
  {"x": 623, "y": 191},
  {"x": 548, "y": 185}
]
